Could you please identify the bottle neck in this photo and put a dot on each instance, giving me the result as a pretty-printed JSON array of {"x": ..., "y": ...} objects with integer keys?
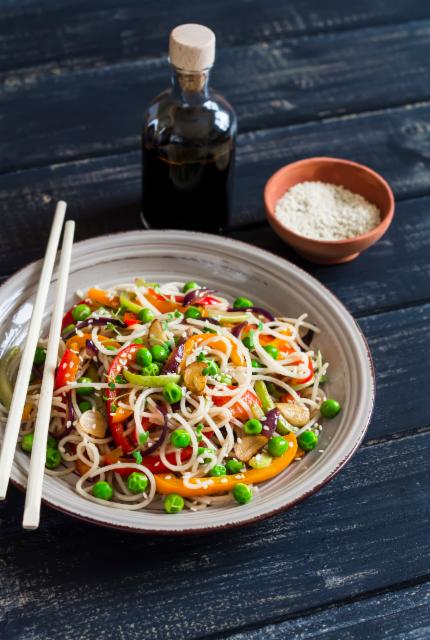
[{"x": 190, "y": 87}]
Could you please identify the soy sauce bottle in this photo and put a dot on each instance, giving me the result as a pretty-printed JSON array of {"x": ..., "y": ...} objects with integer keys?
[{"x": 188, "y": 142}]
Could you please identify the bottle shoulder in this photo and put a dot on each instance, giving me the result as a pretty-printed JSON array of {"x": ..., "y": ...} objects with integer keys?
[{"x": 168, "y": 119}]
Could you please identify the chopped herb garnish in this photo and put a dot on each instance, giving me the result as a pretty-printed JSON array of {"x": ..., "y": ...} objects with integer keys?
[
  {"x": 120, "y": 380},
  {"x": 113, "y": 408},
  {"x": 144, "y": 437},
  {"x": 137, "y": 456}
]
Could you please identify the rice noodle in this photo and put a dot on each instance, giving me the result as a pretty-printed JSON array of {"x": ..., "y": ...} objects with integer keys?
[{"x": 213, "y": 421}]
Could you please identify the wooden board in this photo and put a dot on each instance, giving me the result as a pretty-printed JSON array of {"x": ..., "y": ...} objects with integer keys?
[
  {"x": 102, "y": 31},
  {"x": 99, "y": 110},
  {"x": 348, "y": 539}
]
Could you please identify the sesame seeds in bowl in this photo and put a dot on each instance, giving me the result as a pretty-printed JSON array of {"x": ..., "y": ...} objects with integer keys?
[{"x": 328, "y": 209}]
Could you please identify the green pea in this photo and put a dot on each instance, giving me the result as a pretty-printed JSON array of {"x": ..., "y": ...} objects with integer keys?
[
  {"x": 272, "y": 351},
  {"x": 159, "y": 353},
  {"x": 138, "y": 341},
  {"x": 143, "y": 357},
  {"x": 242, "y": 303},
  {"x": 233, "y": 466},
  {"x": 39, "y": 355},
  {"x": 52, "y": 443},
  {"x": 152, "y": 369},
  {"x": 330, "y": 408},
  {"x": 189, "y": 286},
  {"x": 277, "y": 446},
  {"x": 68, "y": 329},
  {"x": 84, "y": 391},
  {"x": 218, "y": 470},
  {"x": 85, "y": 406},
  {"x": 102, "y": 490},
  {"x": 137, "y": 482},
  {"x": 252, "y": 427},
  {"x": 180, "y": 438},
  {"x": 53, "y": 458},
  {"x": 242, "y": 493},
  {"x": 256, "y": 365},
  {"x": 173, "y": 503},
  {"x": 211, "y": 369},
  {"x": 172, "y": 392},
  {"x": 193, "y": 312},
  {"x": 81, "y": 312},
  {"x": 308, "y": 440},
  {"x": 145, "y": 315},
  {"x": 27, "y": 442}
]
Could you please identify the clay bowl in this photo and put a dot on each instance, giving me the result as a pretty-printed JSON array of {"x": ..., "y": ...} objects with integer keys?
[{"x": 355, "y": 177}]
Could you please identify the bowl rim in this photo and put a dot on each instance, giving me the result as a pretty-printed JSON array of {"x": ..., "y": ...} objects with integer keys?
[
  {"x": 211, "y": 528},
  {"x": 382, "y": 226}
]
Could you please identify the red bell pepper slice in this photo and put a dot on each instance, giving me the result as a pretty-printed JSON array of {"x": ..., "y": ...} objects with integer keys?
[
  {"x": 309, "y": 377},
  {"x": 130, "y": 319},
  {"x": 153, "y": 463},
  {"x": 67, "y": 369},
  {"x": 116, "y": 368}
]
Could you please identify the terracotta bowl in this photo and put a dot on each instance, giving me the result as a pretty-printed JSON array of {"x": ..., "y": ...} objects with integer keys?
[{"x": 355, "y": 177}]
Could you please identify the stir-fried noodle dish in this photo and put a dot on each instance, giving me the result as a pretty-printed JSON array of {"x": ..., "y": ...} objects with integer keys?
[{"x": 172, "y": 397}]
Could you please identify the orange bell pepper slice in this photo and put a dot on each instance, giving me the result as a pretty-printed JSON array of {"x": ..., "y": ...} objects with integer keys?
[
  {"x": 101, "y": 297},
  {"x": 160, "y": 303},
  {"x": 195, "y": 340},
  {"x": 209, "y": 486}
]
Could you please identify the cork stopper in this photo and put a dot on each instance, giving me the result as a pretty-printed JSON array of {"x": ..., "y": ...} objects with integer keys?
[{"x": 192, "y": 47}]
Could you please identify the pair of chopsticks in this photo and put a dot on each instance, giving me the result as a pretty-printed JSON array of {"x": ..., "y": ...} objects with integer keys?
[{"x": 38, "y": 454}]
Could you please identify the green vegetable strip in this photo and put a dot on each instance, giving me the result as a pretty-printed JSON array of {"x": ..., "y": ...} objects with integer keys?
[
  {"x": 125, "y": 302},
  {"x": 264, "y": 396},
  {"x": 150, "y": 381},
  {"x": 6, "y": 388}
]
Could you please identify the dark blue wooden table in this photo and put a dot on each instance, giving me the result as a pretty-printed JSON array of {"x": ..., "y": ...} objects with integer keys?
[{"x": 306, "y": 78}]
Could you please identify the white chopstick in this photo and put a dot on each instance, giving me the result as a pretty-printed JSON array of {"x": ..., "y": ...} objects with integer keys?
[
  {"x": 24, "y": 372},
  {"x": 38, "y": 452}
]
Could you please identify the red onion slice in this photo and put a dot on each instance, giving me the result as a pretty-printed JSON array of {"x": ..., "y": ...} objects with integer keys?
[
  {"x": 91, "y": 348},
  {"x": 162, "y": 436},
  {"x": 173, "y": 362},
  {"x": 196, "y": 295},
  {"x": 271, "y": 422},
  {"x": 258, "y": 310},
  {"x": 94, "y": 322}
]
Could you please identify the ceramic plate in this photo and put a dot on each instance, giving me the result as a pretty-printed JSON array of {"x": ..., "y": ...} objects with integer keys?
[{"x": 232, "y": 268}]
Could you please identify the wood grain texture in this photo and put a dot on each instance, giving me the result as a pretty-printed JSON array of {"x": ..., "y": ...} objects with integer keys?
[
  {"x": 99, "y": 111},
  {"x": 400, "y": 615},
  {"x": 73, "y": 32},
  {"x": 104, "y": 196},
  {"x": 348, "y": 539}
]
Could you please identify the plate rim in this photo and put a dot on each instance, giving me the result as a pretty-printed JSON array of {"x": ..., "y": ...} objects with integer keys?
[{"x": 248, "y": 520}]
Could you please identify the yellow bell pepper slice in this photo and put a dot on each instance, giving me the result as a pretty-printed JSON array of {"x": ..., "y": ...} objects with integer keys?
[
  {"x": 101, "y": 297},
  {"x": 195, "y": 340},
  {"x": 209, "y": 486}
]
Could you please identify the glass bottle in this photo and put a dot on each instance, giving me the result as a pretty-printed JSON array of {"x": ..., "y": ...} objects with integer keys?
[{"x": 188, "y": 142}]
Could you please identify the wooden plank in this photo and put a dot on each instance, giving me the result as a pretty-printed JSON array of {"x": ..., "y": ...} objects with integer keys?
[
  {"x": 395, "y": 616},
  {"x": 104, "y": 196},
  {"x": 99, "y": 110},
  {"x": 72, "y": 33},
  {"x": 363, "y": 532}
]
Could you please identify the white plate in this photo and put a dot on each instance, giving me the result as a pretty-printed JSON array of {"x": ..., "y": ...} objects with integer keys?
[{"x": 233, "y": 268}]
